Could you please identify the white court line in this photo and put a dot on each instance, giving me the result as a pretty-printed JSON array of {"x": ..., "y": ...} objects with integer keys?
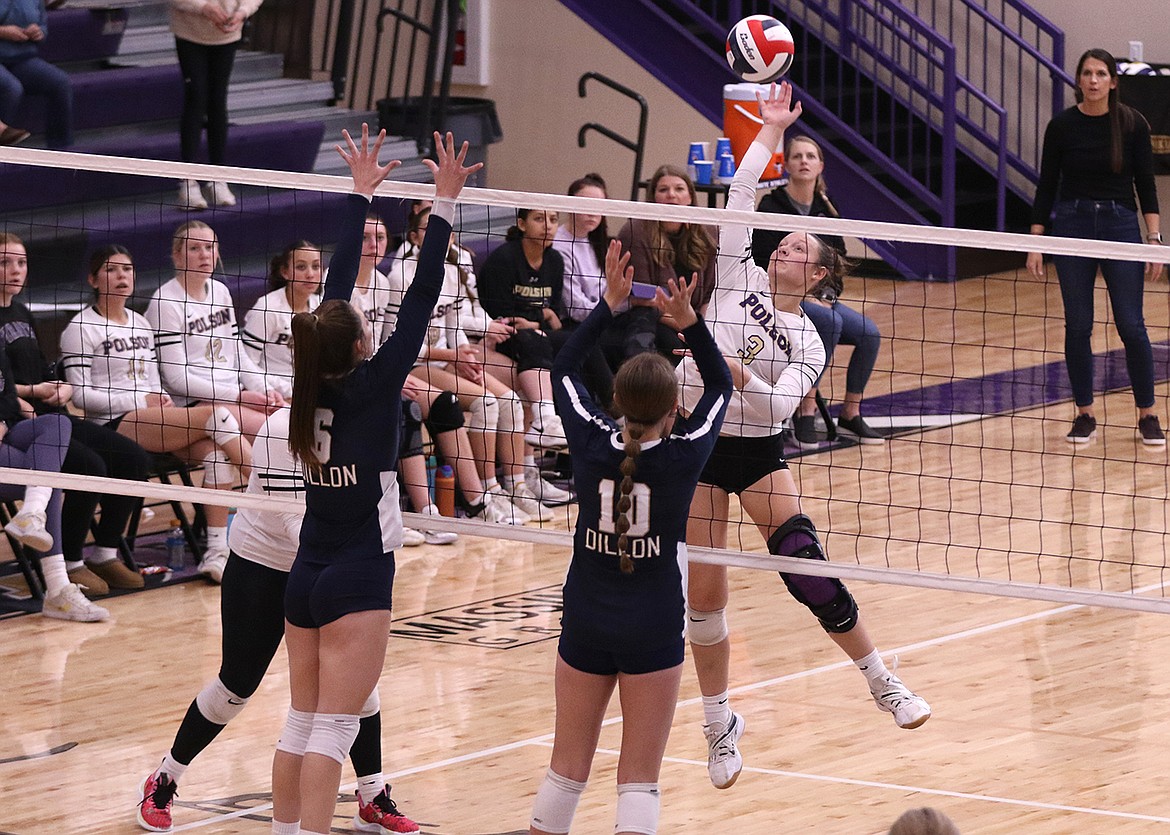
[{"x": 545, "y": 739}]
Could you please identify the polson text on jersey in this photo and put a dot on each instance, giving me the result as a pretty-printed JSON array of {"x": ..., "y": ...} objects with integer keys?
[
  {"x": 119, "y": 345},
  {"x": 210, "y": 321},
  {"x": 760, "y": 313}
]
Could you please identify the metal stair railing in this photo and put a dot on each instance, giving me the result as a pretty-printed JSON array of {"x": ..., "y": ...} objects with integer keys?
[{"x": 638, "y": 146}]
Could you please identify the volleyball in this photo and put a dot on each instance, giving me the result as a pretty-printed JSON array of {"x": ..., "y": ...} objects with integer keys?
[
  {"x": 1135, "y": 68},
  {"x": 760, "y": 48}
]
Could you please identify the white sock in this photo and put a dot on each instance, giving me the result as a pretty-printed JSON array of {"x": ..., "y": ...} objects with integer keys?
[
  {"x": 36, "y": 498},
  {"x": 73, "y": 565},
  {"x": 431, "y": 510},
  {"x": 279, "y": 828},
  {"x": 489, "y": 483},
  {"x": 216, "y": 540},
  {"x": 717, "y": 709},
  {"x": 56, "y": 578},
  {"x": 172, "y": 768},
  {"x": 102, "y": 555},
  {"x": 370, "y": 786},
  {"x": 872, "y": 667},
  {"x": 510, "y": 481},
  {"x": 529, "y": 461}
]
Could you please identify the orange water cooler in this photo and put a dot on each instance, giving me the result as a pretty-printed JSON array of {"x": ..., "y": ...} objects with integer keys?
[{"x": 741, "y": 123}]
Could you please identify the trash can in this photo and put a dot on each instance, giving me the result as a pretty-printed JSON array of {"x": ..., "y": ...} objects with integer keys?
[
  {"x": 468, "y": 118},
  {"x": 741, "y": 123}
]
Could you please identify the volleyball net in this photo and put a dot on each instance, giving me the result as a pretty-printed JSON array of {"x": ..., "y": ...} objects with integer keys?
[{"x": 973, "y": 486}]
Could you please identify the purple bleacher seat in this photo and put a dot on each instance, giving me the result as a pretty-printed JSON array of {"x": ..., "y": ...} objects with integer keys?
[
  {"x": 282, "y": 146},
  {"x": 121, "y": 96},
  {"x": 83, "y": 35}
]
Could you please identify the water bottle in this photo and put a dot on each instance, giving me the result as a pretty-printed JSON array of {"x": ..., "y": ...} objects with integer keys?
[
  {"x": 176, "y": 546},
  {"x": 445, "y": 490}
]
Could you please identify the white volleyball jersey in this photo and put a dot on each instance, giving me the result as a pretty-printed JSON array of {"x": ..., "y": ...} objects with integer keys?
[
  {"x": 267, "y": 339},
  {"x": 198, "y": 343},
  {"x": 271, "y": 537},
  {"x": 112, "y": 366},
  {"x": 374, "y": 303},
  {"x": 782, "y": 351},
  {"x": 444, "y": 330}
]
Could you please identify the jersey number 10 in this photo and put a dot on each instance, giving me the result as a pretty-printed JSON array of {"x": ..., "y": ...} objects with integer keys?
[{"x": 639, "y": 514}]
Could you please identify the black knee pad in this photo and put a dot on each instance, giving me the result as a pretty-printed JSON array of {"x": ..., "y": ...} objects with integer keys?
[
  {"x": 826, "y": 597},
  {"x": 445, "y": 416},
  {"x": 410, "y": 439}
]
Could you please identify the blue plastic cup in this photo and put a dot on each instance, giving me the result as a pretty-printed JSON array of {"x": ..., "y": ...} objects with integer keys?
[
  {"x": 722, "y": 146},
  {"x": 703, "y": 171},
  {"x": 726, "y": 168}
]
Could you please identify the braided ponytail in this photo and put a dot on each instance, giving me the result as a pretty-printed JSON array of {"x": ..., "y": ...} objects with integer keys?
[{"x": 633, "y": 449}]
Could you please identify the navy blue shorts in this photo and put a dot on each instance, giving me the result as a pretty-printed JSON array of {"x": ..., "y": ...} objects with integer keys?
[
  {"x": 320, "y": 593},
  {"x": 602, "y": 662},
  {"x": 738, "y": 463}
]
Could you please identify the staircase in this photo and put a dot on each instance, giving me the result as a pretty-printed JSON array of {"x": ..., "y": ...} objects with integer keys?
[{"x": 908, "y": 138}]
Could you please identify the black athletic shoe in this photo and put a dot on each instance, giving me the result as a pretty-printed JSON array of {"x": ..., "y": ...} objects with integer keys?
[
  {"x": 804, "y": 431},
  {"x": 1084, "y": 429},
  {"x": 859, "y": 429},
  {"x": 1151, "y": 431}
]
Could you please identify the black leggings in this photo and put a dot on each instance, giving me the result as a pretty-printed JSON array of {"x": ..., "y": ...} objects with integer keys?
[
  {"x": 99, "y": 451},
  {"x": 206, "y": 73},
  {"x": 251, "y": 607}
]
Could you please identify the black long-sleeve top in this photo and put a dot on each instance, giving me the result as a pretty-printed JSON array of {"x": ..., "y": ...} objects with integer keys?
[
  {"x": 1076, "y": 164},
  {"x": 778, "y": 201},
  {"x": 509, "y": 286}
]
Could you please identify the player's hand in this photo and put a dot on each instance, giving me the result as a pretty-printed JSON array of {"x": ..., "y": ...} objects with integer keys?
[
  {"x": 676, "y": 303},
  {"x": 363, "y": 161},
  {"x": 619, "y": 275},
  {"x": 449, "y": 172},
  {"x": 157, "y": 400},
  {"x": 1035, "y": 265},
  {"x": 500, "y": 330},
  {"x": 778, "y": 109}
]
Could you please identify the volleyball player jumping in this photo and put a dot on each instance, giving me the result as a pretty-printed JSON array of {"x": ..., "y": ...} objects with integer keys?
[
  {"x": 624, "y": 600},
  {"x": 755, "y": 316},
  {"x": 343, "y": 429}
]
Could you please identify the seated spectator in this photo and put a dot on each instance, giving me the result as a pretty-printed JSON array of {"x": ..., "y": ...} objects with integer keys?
[
  {"x": 23, "y": 25},
  {"x": 486, "y": 334},
  {"x": 93, "y": 450},
  {"x": 295, "y": 276},
  {"x": 199, "y": 353},
  {"x": 924, "y": 821},
  {"x": 109, "y": 357},
  {"x": 494, "y": 414},
  {"x": 661, "y": 250},
  {"x": 835, "y": 321},
  {"x": 521, "y": 285},
  {"x": 581, "y": 240},
  {"x": 40, "y": 443}
]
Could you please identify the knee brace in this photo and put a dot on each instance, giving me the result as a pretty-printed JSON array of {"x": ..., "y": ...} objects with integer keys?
[
  {"x": 333, "y": 735},
  {"x": 556, "y": 803},
  {"x": 445, "y": 414},
  {"x": 222, "y": 427},
  {"x": 483, "y": 413},
  {"x": 218, "y": 704},
  {"x": 218, "y": 471},
  {"x": 511, "y": 413},
  {"x": 372, "y": 705},
  {"x": 706, "y": 629},
  {"x": 637, "y": 808},
  {"x": 825, "y": 597},
  {"x": 295, "y": 736}
]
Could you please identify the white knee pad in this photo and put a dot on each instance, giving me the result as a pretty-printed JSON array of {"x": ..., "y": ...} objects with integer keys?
[
  {"x": 222, "y": 427},
  {"x": 218, "y": 471},
  {"x": 556, "y": 803},
  {"x": 706, "y": 629},
  {"x": 637, "y": 808},
  {"x": 295, "y": 736},
  {"x": 483, "y": 413},
  {"x": 218, "y": 704},
  {"x": 511, "y": 413},
  {"x": 372, "y": 705},
  {"x": 333, "y": 735}
]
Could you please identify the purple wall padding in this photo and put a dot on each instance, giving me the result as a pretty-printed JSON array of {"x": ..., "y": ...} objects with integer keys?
[{"x": 83, "y": 35}]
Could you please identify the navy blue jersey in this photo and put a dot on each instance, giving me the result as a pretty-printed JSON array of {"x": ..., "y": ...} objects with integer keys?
[
  {"x": 604, "y": 607},
  {"x": 351, "y": 501}
]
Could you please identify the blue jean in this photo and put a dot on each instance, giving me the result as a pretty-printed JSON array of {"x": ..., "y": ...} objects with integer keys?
[
  {"x": 38, "y": 444},
  {"x": 37, "y": 76},
  {"x": 841, "y": 324},
  {"x": 1102, "y": 220}
]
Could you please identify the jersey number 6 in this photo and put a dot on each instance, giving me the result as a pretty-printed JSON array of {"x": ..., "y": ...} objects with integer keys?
[
  {"x": 639, "y": 514},
  {"x": 323, "y": 433}
]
